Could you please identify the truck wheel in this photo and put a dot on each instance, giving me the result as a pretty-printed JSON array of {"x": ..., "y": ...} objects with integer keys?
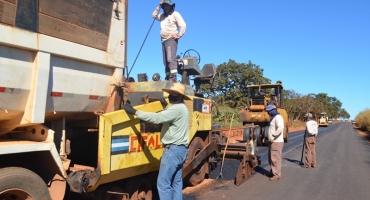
[
  {"x": 198, "y": 175},
  {"x": 21, "y": 183},
  {"x": 258, "y": 135},
  {"x": 140, "y": 189}
]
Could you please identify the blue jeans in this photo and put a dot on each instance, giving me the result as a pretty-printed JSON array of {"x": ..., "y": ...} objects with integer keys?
[{"x": 169, "y": 181}]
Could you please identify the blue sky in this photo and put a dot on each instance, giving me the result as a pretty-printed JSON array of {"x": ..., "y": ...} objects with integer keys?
[{"x": 312, "y": 46}]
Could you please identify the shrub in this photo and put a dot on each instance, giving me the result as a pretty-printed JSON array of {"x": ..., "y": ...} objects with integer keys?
[{"x": 363, "y": 120}]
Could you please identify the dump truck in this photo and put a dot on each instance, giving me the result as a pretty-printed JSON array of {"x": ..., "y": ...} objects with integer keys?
[
  {"x": 254, "y": 113},
  {"x": 62, "y": 84},
  {"x": 323, "y": 121}
]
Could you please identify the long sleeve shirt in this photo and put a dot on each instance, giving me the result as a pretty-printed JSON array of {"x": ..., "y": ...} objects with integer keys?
[
  {"x": 311, "y": 126},
  {"x": 175, "y": 120},
  {"x": 277, "y": 127},
  {"x": 170, "y": 24}
]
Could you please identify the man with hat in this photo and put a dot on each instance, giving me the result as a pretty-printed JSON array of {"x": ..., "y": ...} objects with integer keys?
[
  {"x": 174, "y": 138},
  {"x": 275, "y": 136},
  {"x": 173, "y": 28},
  {"x": 310, "y": 142}
]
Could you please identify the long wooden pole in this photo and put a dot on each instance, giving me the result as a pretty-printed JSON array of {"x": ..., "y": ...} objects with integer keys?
[{"x": 227, "y": 142}]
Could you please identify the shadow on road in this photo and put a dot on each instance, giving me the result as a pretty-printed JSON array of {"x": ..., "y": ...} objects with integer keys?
[
  {"x": 298, "y": 162},
  {"x": 262, "y": 171}
]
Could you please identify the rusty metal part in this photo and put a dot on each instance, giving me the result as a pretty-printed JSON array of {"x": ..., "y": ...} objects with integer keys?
[
  {"x": 139, "y": 188},
  {"x": 199, "y": 158},
  {"x": 115, "y": 99},
  {"x": 227, "y": 142},
  {"x": 81, "y": 180},
  {"x": 241, "y": 152},
  {"x": 248, "y": 162},
  {"x": 235, "y": 131},
  {"x": 246, "y": 168},
  {"x": 57, "y": 187},
  {"x": 115, "y": 192}
]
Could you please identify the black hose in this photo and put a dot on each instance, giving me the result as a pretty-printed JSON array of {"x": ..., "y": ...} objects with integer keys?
[{"x": 128, "y": 74}]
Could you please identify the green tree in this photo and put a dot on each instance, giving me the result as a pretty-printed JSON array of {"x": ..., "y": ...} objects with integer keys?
[{"x": 230, "y": 85}]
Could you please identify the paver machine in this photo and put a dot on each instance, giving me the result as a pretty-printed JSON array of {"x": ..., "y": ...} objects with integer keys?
[{"x": 259, "y": 96}]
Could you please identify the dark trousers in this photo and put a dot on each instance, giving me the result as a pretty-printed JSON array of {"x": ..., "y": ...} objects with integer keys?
[{"x": 169, "y": 49}]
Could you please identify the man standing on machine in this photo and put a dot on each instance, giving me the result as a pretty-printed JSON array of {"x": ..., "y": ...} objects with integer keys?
[{"x": 173, "y": 28}]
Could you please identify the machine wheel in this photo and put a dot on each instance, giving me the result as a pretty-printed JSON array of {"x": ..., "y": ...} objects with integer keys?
[
  {"x": 266, "y": 132},
  {"x": 140, "y": 189},
  {"x": 199, "y": 173},
  {"x": 287, "y": 135},
  {"x": 257, "y": 130},
  {"x": 246, "y": 134},
  {"x": 21, "y": 183}
]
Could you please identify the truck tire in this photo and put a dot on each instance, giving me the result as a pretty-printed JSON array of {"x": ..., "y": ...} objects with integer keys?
[
  {"x": 21, "y": 183},
  {"x": 199, "y": 173}
]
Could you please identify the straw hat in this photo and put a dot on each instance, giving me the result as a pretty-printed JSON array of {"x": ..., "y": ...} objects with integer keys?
[{"x": 177, "y": 88}]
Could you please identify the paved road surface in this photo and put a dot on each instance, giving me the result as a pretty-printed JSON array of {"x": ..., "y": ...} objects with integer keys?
[{"x": 343, "y": 171}]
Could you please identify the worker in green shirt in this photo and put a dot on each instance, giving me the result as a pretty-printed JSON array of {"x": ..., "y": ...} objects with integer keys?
[{"x": 174, "y": 138}]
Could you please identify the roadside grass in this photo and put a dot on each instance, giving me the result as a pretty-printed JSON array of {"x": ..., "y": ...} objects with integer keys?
[
  {"x": 225, "y": 115},
  {"x": 363, "y": 120}
]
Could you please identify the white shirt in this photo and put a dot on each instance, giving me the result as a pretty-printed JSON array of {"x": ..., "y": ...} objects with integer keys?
[
  {"x": 171, "y": 24},
  {"x": 276, "y": 127},
  {"x": 314, "y": 130}
]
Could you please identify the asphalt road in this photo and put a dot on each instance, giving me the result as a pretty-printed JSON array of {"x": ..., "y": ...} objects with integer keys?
[{"x": 342, "y": 172}]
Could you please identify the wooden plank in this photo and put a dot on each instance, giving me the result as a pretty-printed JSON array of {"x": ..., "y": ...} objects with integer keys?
[
  {"x": 66, "y": 31},
  {"x": 94, "y": 15},
  {"x": 27, "y": 15},
  {"x": 7, "y": 12}
]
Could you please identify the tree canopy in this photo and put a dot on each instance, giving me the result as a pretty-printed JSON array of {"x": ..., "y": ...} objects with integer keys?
[
  {"x": 230, "y": 84},
  {"x": 297, "y": 105},
  {"x": 230, "y": 89}
]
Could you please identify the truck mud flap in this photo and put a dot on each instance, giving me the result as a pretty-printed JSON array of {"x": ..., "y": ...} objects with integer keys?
[{"x": 80, "y": 181}]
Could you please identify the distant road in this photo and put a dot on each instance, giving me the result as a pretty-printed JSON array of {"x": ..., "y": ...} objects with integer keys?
[{"x": 343, "y": 171}]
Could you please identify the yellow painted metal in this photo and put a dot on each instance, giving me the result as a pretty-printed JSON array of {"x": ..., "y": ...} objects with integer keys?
[
  {"x": 142, "y": 157},
  {"x": 116, "y": 167}
]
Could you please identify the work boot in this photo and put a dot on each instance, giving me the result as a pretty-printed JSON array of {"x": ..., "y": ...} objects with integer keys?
[
  {"x": 172, "y": 77},
  {"x": 275, "y": 178},
  {"x": 305, "y": 166}
]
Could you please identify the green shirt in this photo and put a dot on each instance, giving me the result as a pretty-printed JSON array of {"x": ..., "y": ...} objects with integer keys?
[{"x": 175, "y": 120}]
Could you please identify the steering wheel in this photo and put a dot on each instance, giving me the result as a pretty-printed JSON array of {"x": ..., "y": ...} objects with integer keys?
[{"x": 187, "y": 54}]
